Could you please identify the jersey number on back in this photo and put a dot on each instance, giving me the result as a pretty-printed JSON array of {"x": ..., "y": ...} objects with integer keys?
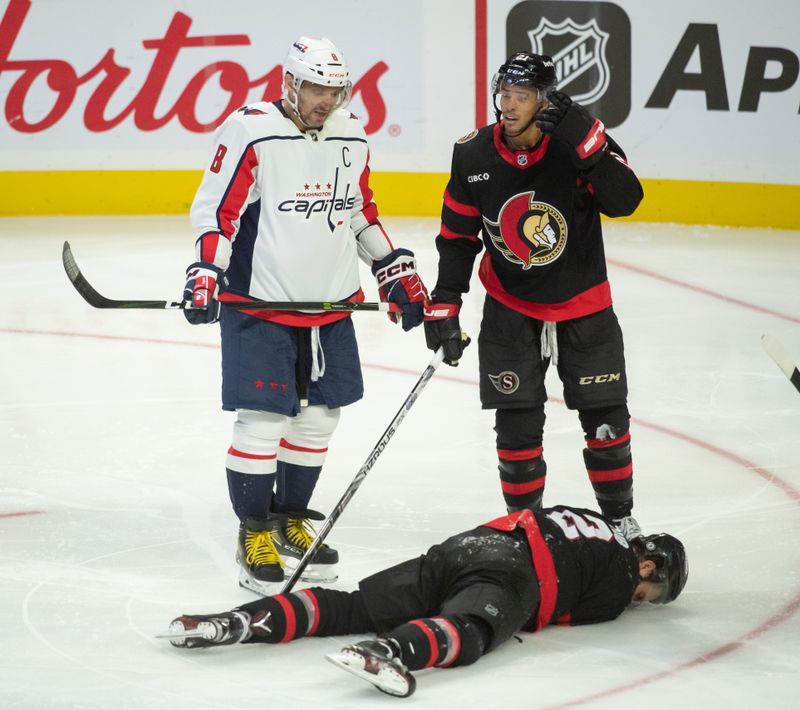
[{"x": 575, "y": 526}]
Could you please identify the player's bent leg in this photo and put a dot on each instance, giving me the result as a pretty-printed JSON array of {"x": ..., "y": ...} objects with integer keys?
[
  {"x": 300, "y": 458},
  {"x": 441, "y": 641}
]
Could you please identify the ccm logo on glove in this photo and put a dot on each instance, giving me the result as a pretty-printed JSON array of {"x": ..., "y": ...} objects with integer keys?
[{"x": 398, "y": 268}]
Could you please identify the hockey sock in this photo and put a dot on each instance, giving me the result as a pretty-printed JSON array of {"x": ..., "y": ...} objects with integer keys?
[
  {"x": 519, "y": 451},
  {"x": 309, "y": 612},
  {"x": 609, "y": 462},
  {"x": 522, "y": 479},
  {"x": 251, "y": 494},
  {"x": 295, "y": 485},
  {"x": 442, "y": 641}
]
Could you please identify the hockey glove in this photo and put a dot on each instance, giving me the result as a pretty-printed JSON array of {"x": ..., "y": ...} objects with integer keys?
[
  {"x": 202, "y": 279},
  {"x": 442, "y": 329},
  {"x": 573, "y": 124},
  {"x": 399, "y": 283}
]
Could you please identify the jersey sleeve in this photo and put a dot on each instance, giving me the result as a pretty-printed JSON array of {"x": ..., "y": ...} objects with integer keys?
[
  {"x": 613, "y": 183},
  {"x": 373, "y": 242},
  {"x": 458, "y": 242},
  {"x": 228, "y": 186}
]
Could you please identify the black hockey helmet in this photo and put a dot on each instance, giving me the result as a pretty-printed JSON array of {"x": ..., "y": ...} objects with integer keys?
[
  {"x": 672, "y": 568},
  {"x": 532, "y": 70}
]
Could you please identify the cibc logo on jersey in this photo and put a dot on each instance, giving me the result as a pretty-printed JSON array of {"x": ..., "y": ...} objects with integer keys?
[{"x": 528, "y": 232}]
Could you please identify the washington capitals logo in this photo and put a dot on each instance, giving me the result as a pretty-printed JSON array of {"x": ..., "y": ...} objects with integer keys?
[
  {"x": 528, "y": 232},
  {"x": 579, "y": 53}
]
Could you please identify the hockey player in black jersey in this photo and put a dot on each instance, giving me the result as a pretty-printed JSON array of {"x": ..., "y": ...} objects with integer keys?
[
  {"x": 465, "y": 596},
  {"x": 530, "y": 189}
]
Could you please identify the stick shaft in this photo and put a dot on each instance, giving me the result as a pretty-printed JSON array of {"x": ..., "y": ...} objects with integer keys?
[
  {"x": 97, "y": 300},
  {"x": 364, "y": 470}
]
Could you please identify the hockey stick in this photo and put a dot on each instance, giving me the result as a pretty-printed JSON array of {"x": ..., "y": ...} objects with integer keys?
[
  {"x": 96, "y": 299},
  {"x": 364, "y": 470},
  {"x": 782, "y": 359}
]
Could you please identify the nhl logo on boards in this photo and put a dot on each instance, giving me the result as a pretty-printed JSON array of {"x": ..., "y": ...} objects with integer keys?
[
  {"x": 528, "y": 232},
  {"x": 507, "y": 382},
  {"x": 581, "y": 49},
  {"x": 590, "y": 43}
]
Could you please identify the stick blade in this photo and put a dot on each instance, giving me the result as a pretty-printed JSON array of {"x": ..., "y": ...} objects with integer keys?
[
  {"x": 782, "y": 359},
  {"x": 778, "y": 353}
]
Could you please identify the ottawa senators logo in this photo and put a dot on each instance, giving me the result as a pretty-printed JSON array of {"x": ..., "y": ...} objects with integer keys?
[{"x": 528, "y": 232}]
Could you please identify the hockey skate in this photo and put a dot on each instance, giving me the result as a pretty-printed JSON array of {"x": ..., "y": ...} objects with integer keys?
[
  {"x": 199, "y": 631},
  {"x": 294, "y": 536},
  {"x": 260, "y": 564},
  {"x": 378, "y": 663},
  {"x": 628, "y": 526}
]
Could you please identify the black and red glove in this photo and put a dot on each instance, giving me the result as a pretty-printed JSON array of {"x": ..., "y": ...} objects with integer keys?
[
  {"x": 399, "y": 283},
  {"x": 573, "y": 124},
  {"x": 442, "y": 327},
  {"x": 200, "y": 291}
]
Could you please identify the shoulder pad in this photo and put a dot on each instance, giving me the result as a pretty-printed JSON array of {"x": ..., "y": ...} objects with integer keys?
[{"x": 468, "y": 137}]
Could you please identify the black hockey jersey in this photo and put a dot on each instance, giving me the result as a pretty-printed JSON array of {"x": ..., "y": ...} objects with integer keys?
[
  {"x": 539, "y": 220},
  {"x": 586, "y": 569}
]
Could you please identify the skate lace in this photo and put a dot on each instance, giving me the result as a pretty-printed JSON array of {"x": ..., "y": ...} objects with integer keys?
[
  {"x": 300, "y": 532},
  {"x": 261, "y": 549}
]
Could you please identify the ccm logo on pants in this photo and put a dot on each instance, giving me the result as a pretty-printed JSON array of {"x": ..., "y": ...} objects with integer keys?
[{"x": 599, "y": 379}]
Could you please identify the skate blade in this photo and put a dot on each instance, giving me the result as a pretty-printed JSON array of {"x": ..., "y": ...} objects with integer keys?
[
  {"x": 325, "y": 574},
  {"x": 263, "y": 589},
  {"x": 388, "y": 679},
  {"x": 195, "y": 634}
]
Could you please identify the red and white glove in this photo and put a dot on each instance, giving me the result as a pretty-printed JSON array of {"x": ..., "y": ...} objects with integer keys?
[
  {"x": 399, "y": 283},
  {"x": 200, "y": 292}
]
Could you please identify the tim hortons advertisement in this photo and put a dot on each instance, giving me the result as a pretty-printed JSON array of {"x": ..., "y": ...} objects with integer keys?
[{"x": 92, "y": 76}]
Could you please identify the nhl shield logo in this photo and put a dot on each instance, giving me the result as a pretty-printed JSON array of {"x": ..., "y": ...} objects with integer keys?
[{"x": 579, "y": 53}]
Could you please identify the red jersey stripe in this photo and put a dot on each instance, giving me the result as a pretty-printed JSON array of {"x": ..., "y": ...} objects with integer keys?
[
  {"x": 592, "y": 300},
  {"x": 450, "y": 234},
  {"x": 460, "y": 207},
  {"x": 230, "y": 210}
]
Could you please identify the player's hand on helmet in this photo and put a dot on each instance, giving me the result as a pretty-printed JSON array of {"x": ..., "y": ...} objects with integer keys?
[
  {"x": 442, "y": 327},
  {"x": 399, "y": 283},
  {"x": 573, "y": 124},
  {"x": 202, "y": 284}
]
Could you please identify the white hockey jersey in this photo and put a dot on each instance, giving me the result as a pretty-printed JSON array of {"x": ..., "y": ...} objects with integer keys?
[{"x": 280, "y": 210}]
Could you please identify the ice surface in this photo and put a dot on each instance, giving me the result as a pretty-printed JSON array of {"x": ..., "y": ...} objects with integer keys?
[{"x": 114, "y": 515}]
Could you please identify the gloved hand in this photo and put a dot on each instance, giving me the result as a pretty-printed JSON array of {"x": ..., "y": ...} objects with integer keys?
[
  {"x": 573, "y": 124},
  {"x": 399, "y": 283},
  {"x": 202, "y": 280},
  {"x": 442, "y": 328}
]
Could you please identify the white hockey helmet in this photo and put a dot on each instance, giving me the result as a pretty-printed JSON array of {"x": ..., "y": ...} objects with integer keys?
[{"x": 320, "y": 62}]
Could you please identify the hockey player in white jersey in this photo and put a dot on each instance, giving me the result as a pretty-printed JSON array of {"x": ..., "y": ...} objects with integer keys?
[{"x": 283, "y": 213}]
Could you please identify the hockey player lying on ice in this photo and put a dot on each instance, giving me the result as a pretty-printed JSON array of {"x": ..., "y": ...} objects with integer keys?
[{"x": 465, "y": 596}]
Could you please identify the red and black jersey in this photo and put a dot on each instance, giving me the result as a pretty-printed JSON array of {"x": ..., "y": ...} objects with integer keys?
[
  {"x": 538, "y": 217},
  {"x": 587, "y": 571}
]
